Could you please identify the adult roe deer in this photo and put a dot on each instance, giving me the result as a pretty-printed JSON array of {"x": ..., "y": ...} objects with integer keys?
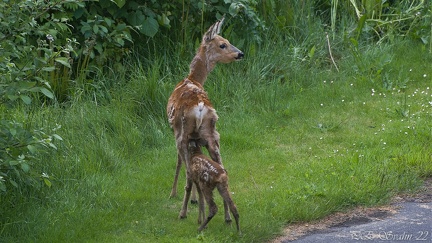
[
  {"x": 189, "y": 110},
  {"x": 206, "y": 175}
]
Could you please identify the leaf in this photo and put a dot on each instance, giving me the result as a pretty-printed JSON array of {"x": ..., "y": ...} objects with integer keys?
[
  {"x": 120, "y": 41},
  {"x": 95, "y": 29},
  {"x": 13, "y": 162},
  {"x": 354, "y": 42},
  {"x": 57, "y": 137},
  {"x": 46, "y": 92},
  {"x": 13, "y": 131},
  {"x": 104, "y": 29},
  {"x": 108, "y": 21},
  {"x": 26, "y": 85},
  {"x": 311, "y": 52},
  {"x": 47, "y": 182},
  {"x": 136, "y": 18},
  {"x": 13, "y": 183},
  {"x": 119, "y": 3},
  {"x": 52, "y": 146},
  {"x": 12, "y": 97},
  {"x": 150, "y": 27},
  {"x": 25, "y": 167},
  {"x": 32, "y": 149},
  {"x": 25, "y": 99},
  {"x": 164, "y": 20},
  {"x": 64, "y": 61},
  {"x": 86, "y": 27},
  {"x": 48, "y": 69},
  {"x": 360, "y": 25},
  {"x": 2, "y": 186}
]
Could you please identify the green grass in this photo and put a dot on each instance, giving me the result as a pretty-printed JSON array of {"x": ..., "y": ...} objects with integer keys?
[{"x": 299, "y": 141}]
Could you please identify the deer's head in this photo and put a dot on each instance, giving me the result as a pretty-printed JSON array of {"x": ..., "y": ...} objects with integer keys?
[{"x": 219, "y": 49}]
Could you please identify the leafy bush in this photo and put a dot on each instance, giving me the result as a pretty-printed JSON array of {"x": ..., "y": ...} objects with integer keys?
[
  {"x": 27, "y": 59},
  {"x": 19, "y": 148}
]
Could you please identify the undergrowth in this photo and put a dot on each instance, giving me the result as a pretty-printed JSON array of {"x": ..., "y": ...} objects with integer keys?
[{"x": 299, "y": 141}]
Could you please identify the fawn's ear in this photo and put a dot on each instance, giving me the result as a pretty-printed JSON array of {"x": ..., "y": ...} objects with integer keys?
[
  {"x": 193, "y": 144},
  {"x": 213, "y": 30}
]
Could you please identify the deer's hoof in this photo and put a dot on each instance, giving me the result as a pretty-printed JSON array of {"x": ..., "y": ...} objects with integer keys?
[
  {"x": 194, "y": 201},
  {"x": 228, "y": 221},
  {"x": 182, "y": 215}
]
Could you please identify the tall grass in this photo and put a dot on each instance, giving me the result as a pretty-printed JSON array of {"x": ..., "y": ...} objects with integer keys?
[{"x": 299, "y": 140}]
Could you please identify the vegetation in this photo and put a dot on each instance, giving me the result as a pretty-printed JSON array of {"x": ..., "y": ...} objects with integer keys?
[{"x": 330, "y": 109}]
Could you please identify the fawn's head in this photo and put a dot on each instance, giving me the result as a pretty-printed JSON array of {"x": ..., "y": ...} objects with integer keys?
[
  {"x": 194, "y": 147},
  {"x": 219, "y": 49}
]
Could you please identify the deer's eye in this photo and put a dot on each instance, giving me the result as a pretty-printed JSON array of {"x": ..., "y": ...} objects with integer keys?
[{"x": 223, "y": 46}]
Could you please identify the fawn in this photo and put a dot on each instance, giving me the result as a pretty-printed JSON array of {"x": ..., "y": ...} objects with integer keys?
[{"x": 207, "y": 175}]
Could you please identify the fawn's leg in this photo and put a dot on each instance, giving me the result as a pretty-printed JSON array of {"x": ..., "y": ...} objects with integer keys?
[
  {"x": 223, "y": 191},
  {"x": 213, "y": 148},
  {"x": 208, "y": 194},
  {"x": 193, "y": 199},
  {"x": 201, "y": 205}
]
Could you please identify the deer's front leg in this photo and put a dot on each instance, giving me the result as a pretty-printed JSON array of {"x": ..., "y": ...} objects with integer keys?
[
  {"x": 188, "y": 188},
  {"x": 174, "y": 187}
]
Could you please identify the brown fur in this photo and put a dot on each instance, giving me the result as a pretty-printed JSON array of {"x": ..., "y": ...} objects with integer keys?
[
  {"x": 190, "y": 112},
  {"x": 207, "y": 175}
]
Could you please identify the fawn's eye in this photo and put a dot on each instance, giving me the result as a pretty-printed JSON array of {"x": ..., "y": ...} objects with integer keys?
[{"x": 223, "y": 46}]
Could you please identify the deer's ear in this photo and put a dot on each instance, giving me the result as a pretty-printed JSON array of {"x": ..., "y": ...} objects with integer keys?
[{"x": 213, "y": 30}]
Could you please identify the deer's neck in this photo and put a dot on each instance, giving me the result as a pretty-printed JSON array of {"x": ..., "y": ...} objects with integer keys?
[{"x": 200, "y": 66}]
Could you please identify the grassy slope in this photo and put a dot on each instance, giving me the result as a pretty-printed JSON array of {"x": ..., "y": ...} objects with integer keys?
[{"x": 299, "y": 142}]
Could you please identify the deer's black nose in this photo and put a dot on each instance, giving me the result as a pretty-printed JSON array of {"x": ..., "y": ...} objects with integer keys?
[{"x": 240, "y": 55}]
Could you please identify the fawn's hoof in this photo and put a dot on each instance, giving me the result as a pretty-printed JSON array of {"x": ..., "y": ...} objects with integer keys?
[
  {"x": 201, "y": 228},
  {"x": 228, "y": 221},
  {"x": 194, "y": 201}
]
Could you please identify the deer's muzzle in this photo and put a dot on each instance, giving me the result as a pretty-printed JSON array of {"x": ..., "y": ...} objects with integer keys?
[{"x": 240, "y": 56}]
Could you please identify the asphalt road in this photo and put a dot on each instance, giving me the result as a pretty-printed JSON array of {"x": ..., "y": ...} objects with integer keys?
[{"x": 412, "y": 223}]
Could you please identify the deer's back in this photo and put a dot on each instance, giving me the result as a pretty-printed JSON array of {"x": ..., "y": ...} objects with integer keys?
[{"x": 185, "y": 100}]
